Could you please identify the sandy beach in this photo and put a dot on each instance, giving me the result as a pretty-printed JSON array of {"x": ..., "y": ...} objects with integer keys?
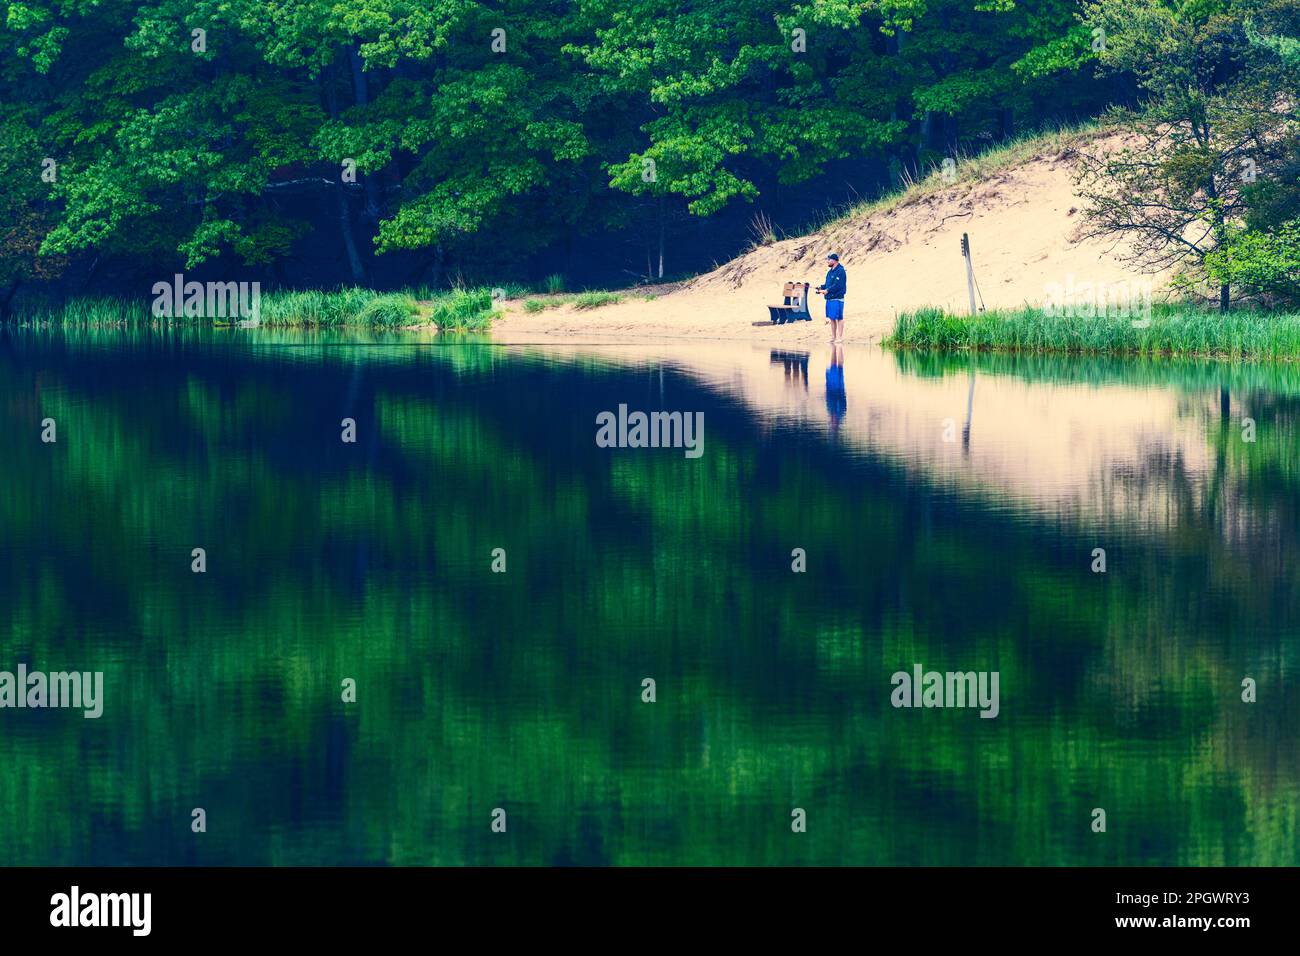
[{"x": 1024, "y": 227}]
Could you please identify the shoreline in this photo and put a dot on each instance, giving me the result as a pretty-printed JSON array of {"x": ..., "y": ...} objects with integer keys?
[{"x": 672, "y": 318}]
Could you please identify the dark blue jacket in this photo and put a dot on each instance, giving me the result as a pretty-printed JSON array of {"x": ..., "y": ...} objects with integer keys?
[{"x": 837, "y": 283}]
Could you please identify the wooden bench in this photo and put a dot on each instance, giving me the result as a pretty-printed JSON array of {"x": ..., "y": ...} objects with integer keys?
[{"x": 795, "y": 306}]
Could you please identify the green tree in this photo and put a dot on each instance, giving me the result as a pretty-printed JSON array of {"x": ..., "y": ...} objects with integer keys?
[
  {"x": 1262, "y": 253},
  {"x": 26, "y": 213},
  {"x": 191, "y": 131},
  {"x": 1179, "y": 186}
]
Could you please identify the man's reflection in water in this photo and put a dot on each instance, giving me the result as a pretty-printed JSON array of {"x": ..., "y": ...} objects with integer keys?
[
  {"x": 837, "y": 403},
  {"x": 795, "y": 366}
]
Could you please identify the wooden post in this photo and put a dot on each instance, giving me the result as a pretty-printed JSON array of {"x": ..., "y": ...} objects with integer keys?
[{"x": 970, "y": 271}]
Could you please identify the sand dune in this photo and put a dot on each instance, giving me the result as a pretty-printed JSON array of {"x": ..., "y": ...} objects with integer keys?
[{"x": 1024, "y": 223}]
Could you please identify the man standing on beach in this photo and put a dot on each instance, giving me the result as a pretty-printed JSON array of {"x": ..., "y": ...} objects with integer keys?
[{"x": 836, "y": 285}]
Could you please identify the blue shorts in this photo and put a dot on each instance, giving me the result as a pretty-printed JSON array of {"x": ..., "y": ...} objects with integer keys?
[{"x": 835, "y": 309}]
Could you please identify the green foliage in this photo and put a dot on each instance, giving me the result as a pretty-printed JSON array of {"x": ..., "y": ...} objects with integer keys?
[
  {"x": 1068, "y": 52},
  {"x": 1267, "y": 261},
  {"x": 26, "y": 215},
  {"x": 1204, "y": 183},
  {"x": 400, "y": 123},
  {"x": 1287, "y": 48}
]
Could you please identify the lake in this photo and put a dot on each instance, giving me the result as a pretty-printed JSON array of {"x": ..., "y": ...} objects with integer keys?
[{"x": 490, "y": 589}]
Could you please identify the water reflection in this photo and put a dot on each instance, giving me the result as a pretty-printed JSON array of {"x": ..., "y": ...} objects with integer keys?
[
  {"x": 837, "y": 403},
  {"x": 970, "y": 414},
  {"x": 522, "y": 690},
  {"x": 794, "y": 366}
]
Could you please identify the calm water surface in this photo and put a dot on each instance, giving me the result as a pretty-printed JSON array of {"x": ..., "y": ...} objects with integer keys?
[{"x": 949, "y": 511}]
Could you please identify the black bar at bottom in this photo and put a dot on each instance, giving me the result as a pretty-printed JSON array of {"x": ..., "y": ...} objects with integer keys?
[{"x": 205, "y": 905}]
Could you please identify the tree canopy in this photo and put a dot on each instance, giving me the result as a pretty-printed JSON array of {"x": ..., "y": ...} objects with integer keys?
[{"x": 247, "y": 130}]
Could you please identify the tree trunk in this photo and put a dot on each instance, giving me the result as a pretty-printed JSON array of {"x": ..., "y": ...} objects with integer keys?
[
  {"x": 344, "y": 214},
  {"x": 349, "y": 240},
  {"x": 435, "y": 267},
  {"x": 84, "y": 284},
  {"x": 1218, "y": 225},
  {"x": 361, "y": 96},
  {"x": 661, "y": 237},
  {"x": 931, "y": 137}
]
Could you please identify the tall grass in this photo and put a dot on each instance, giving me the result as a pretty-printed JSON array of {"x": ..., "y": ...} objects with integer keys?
[
  {"x": 88, "y": 311},
  {"x": 762, "y": 231},
  {"x": 459, "y": 309},
  {"x": 1173, "y": 330},
  {"x": 334, "y": 307},
  {"x": 465, "y": 310}
]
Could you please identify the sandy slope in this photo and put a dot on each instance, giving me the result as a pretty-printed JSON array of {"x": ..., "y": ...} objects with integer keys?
[{"x": 1023, "y": 223}]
